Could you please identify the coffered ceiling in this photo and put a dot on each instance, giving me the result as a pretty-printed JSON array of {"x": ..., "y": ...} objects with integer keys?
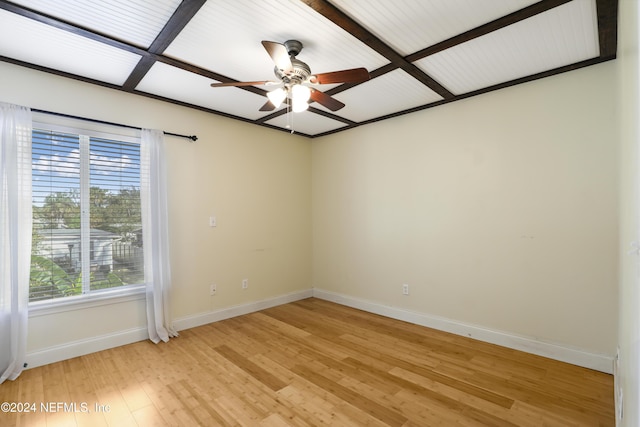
[{"x": 419, "y": 53}]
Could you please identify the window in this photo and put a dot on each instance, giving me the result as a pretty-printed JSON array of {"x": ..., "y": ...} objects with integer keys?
[{"x": 87, "y": 225}]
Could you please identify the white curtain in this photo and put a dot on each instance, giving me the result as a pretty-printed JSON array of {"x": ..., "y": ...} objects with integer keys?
[
  {"x": 15, "y": 236},
  {"x": 155, "y": 235}
]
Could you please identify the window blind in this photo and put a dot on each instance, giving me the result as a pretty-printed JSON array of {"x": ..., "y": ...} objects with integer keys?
[{"x": 87, "y": 233}]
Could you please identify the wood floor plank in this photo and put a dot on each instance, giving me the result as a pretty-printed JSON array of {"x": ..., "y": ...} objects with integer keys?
[
  {"x": 251, "y": 368},
  {"x": 309, "y": 363},
  {"x": 308, "y": 404},
  {"x": 367, "y": 405}
]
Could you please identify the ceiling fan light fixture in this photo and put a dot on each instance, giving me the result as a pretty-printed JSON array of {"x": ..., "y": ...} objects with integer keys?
[
  {"x": 299, "y": 98},
  {"x": 300, "y": 93},
  {"x": 299, "y": 107},
  {"x": 276, "y": 96},
  {"x": 292, "y": 73}
]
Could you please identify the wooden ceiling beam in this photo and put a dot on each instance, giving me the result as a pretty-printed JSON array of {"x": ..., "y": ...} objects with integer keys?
[
  {"x": 607, "y": 11},
  {"x": 180, "y": 18},
  {"x": 339, "y": 18}
]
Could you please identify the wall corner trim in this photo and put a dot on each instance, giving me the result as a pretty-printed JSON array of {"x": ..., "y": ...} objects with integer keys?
[{"x": 579, "y": 357}]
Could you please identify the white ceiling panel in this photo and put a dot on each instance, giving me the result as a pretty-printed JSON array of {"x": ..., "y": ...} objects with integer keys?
[
  {"x": 411, "y": 25},
  {"x": 561, "y": 36},
  {"x": 387, "y": 94},
  {"x": 175, "y": 83},
  {"x": 49, "y": 47},
  {"x": 133, "y": 21},
  {"x": 225, "y": 36},
  {"x": 515, "y": 40}
]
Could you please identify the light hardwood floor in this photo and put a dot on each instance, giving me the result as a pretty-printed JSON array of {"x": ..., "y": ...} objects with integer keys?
[{"x": 311, "y": 363}]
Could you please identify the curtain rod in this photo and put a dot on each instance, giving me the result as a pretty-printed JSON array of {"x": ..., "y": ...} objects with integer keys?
[{"x": 191, "y": 137}]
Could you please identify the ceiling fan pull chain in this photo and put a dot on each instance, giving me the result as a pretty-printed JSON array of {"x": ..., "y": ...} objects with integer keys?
[{"x": 290, "y": 118}]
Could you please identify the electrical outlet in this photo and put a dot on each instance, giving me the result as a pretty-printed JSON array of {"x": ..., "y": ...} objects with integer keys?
[
  {"x": 245, "y": 283},
  {"x": 213, "y": 289},
  {"x": 405, "y": 289}
]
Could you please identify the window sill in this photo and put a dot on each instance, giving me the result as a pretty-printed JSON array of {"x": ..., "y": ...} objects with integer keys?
[{"x": 81, "y": 302}]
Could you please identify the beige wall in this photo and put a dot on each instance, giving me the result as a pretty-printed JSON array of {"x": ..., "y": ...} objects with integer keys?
[
  {"x": 629, "y": 318},
  {"x": 255, "y": 181},
  {"x": 499, "y": 211}
]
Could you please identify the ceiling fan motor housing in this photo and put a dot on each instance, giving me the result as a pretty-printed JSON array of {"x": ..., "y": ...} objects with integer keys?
[
  {"x": 293, "y": 47},
  {"x": 300, "y": 71},
  {"x": 298, "y": 74}
]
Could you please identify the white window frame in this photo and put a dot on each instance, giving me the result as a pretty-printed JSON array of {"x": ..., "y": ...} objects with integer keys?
[{"x": 94, "y": 298}]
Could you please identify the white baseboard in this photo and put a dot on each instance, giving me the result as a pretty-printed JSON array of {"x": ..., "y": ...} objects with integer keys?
[
  {"x": 103, "y": 342},
  {"x": 85, "y": 346},
  {"x": 598, "y": 362},
  {"x": 238, "y": 310}
]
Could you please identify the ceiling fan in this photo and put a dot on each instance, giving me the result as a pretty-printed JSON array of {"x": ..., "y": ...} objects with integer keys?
[{"x": 294, "y": 76}]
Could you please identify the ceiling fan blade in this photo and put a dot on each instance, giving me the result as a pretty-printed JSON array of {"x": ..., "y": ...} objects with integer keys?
[
  {"x": 354, "y": 75},
  {"x": 278, "y": 52},
  {"x": 326, "y": 100},
  {"x": 258, "y": 83},
  {"x": 268, "y": 106}
]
